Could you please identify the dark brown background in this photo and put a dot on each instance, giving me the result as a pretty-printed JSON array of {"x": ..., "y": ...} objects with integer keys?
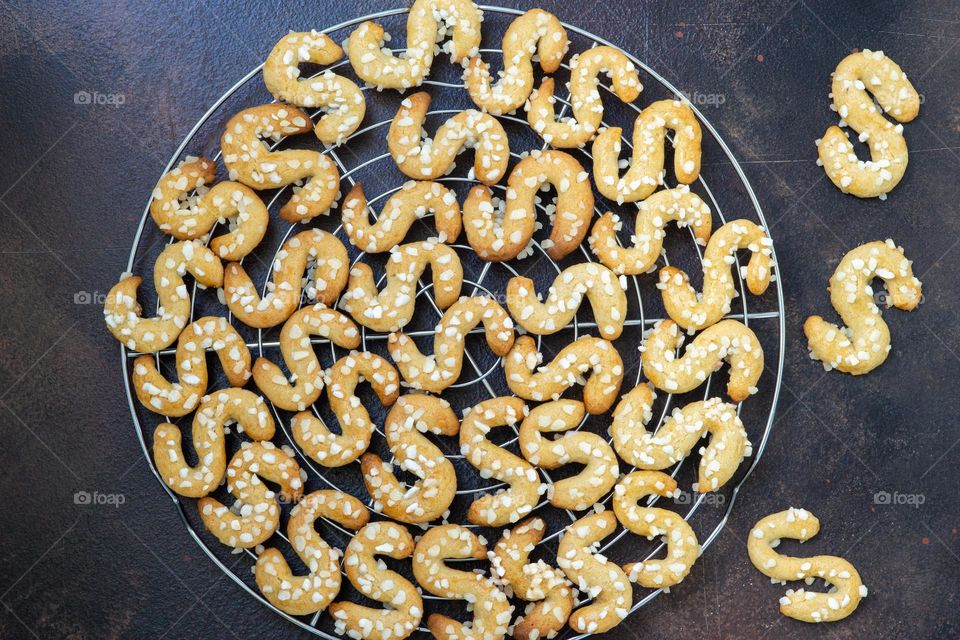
[{"x": 72, "y": 187}]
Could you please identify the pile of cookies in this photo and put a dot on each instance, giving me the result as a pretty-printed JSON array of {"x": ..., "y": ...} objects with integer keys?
[{"x": 582, "y": 589}]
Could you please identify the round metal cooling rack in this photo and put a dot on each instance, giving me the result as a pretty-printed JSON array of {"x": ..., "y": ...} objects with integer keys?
[{"x": 362, "y": 159}]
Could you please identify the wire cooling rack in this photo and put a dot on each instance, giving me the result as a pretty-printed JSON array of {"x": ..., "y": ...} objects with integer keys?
[{"x": 722, "y": 184}]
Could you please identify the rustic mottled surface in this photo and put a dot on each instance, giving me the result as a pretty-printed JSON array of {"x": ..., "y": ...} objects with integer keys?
[{"x": 73, "y": 185}]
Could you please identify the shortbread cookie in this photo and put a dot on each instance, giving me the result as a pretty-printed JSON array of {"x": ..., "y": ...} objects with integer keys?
[
  {"x": 175, "y": 202},
  {"x": 246, "y": 408},
  {"x": 499, "y": 236},
  {"x": 179, "y": 398},
  {"x": 523, "y": 489},
  {"x": 544, "y": 587},
  {"x": 585, "y": 100},
  {"x": 646, "y": 167},
  {"x": 535, "y": 32},
  {"x": 259, "y": 513},
  {"x": 356, "y": 429},
  {"x": 340, "y": 99},
  {"x": 436, "y": 372},
  {"x": 301, "y": 595},
  {"x": 314, "y": 256},
  {"x": 372, "y": 579},
  {"x": 678, "y": 205},
  {"x": 600, "y": 470},
  {"x": 431, "y": 495},
  {"x": 414, "y": 200},
  {"x": 630, "y": 419},
  {"x": 600, "y": 285},
  {"x": 847, "y": 589},
  {"x": 122, "y": 312},
  {"x": 592, "y": 362},
  {"x": 678, "y": 436},
  {"x": 187, "y": 217},
  {"x": 863, "y": 344},
  {"x": 425, "y": 158},
  {"x": 652, "y": 522},
  {"x": 860, "y": 78},
  {"x": 428, "y": 22},
  {"x": 694, "y": 311},
  {"x": 306, "y": 380},
  {"x": 595, "y": 575},
  {"x": 392, "y": 308},
  {"x": 729, "y": 340},
  {"x": 249, "y": 159},
  {"x": 491, "y": 612}
]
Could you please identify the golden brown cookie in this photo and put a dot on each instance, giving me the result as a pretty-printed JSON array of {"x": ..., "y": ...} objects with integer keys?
[
  {"x": 847, "y": 589},
  {"x": 414, "y": 200},
  {"x": 652, "y": 522},
  {"x": 630, "y": 419},
  {"x": 392, "y": 308},
  {"x": 694, "y": 311},
  {"x": 535, "y": 32},
  {"x": 600, "y": 470},
  {"x": 425, "y": 158},
  {"x": 596, "y": 576},
  {"x": 678, "y": 435},
  {"x": 600, "y": 285},
  {"x": 863, "y": 344},
  {"x": 429, "y": 498},
  {"x": 216, "y": 410},
  {"x": 646, "y": 167},
  {"x": 306, "y": 379},
  {"x": 860, "y": 78},
  {"x": 404, "y": 603},
  {"x": 340, "y": 99},
  {"x": 122, "y": 312},
  {"x": 491, "y": 612},
  {"x": 436, "y": 372},
  {"x": 523, "y": 489},
  {"x": 259, "y": 513},
  {"x": 175, "y": 202},
  {"x": 585, "y": 100},
  {"x": 179, "y": 398},
  {"x": 729, "y": 340},
  {"x": 544, "y": 587},
  {"x": 186, "y": 216},
  {"x": 249, "y": 159},
  {"x": 356, "y": 429},
  {"x": 501, "y": 236},
  {"x": 312, "y": 255},
  {"x": 592, "y": 362},
  {"x": 428, "y": 22},
  {"x": 301, "y": 595},
  {"x": 678, "y": 205}
]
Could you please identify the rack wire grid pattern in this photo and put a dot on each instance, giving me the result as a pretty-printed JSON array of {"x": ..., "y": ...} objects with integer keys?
[{"x": 483, "y": 372}]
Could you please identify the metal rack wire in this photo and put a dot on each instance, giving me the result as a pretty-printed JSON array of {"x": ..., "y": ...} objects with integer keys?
[{"x": 481, "y": 376}]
